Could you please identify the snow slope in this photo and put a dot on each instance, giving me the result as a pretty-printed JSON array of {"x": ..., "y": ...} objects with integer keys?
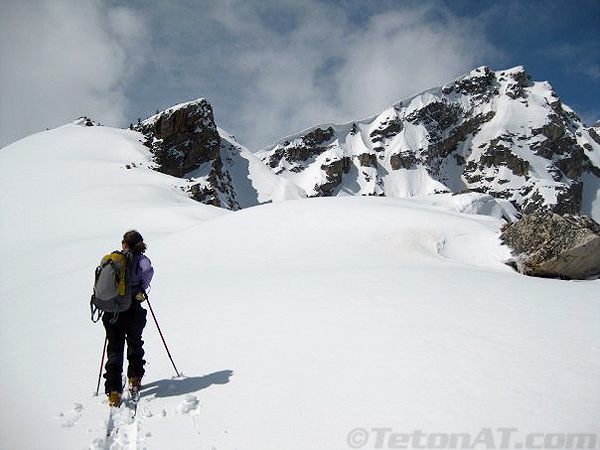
[
  {"x": 252, "y": 181},
  {"x": 493, "y": 132},
  {"x": 294, "y": 322}
]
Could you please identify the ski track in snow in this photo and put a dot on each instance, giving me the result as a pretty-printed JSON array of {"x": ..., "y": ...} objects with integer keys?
[{"x": 122, "y": 429}]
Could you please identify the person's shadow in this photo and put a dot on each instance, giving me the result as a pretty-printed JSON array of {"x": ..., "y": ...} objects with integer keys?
[{"x": 184, "y": 385}]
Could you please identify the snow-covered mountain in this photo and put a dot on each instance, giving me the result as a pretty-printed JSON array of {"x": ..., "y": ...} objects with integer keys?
[
  {"x": 187, "y": 143},
  {"x": 496, "y": 133},
  {"x": 295, "y": 323},
  {"x": 492, "y": 132}
]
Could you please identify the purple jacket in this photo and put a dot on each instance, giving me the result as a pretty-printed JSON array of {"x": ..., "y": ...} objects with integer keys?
[{"x": 141, "y": 274}]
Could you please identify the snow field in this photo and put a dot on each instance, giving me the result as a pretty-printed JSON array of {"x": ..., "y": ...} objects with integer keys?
[{"x": 293, "y": 323}]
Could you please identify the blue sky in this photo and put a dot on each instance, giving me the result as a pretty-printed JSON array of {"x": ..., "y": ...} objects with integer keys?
[{"x": 274, "y": 67}]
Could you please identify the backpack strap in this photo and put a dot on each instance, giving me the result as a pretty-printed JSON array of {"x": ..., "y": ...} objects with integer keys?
[
  {"x": 115, "y": 317},
  {"x": 97, "y": 314},
  {"x": 95, "y": 311}
]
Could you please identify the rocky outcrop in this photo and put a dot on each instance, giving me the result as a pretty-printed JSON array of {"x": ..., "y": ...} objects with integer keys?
[
  {"x": 309, "y": 146},
  {"x": 182, "y": 138},
  {"x": 561, "y": 146},
  {"x": 403, "y": 160},
  {"x": 499, "y": 155},
  {"x": 334, "y": 171},
  {"x": 386, "y": 130},
  {"x": 85, "y": 121},
  {"x": 185, "y": 139},
  {"x": 436, "y": 116},
  {"x": 216, "y": 188},
  {"x": 445, "y": 146},
  {"x": 516, "y": 88},
  {"x": 367, "y": 160},
  {"x": 479, "y": 85},
  {"x": 216, "y": 170},
  {"x": 550, "y": 245}
]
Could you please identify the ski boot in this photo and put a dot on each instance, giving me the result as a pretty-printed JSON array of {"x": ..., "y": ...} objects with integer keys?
[
  {"x": 114, "y": 399},
  {"x": 135, "y": 384}
]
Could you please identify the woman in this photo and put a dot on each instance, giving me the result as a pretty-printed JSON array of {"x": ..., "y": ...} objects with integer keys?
[{"x": 129, "y": 324}]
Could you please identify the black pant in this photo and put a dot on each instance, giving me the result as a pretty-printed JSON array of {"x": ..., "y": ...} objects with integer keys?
[{"x": 129, "y": 327}]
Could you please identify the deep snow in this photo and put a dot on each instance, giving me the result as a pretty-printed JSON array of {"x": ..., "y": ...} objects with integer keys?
[{"x": 294, "y": 323}]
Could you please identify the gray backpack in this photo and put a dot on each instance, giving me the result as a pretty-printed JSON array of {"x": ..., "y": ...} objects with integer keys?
[{"x": 112, "y": 293}]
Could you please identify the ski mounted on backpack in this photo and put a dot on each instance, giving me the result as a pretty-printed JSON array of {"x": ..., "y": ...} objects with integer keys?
[{"x": 112, "y": 293}]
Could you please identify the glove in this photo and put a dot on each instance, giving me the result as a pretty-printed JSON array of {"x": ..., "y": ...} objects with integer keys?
[{"x": 140, "y": 297}]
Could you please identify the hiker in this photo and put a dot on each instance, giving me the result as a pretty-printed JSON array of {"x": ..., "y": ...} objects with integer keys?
[{"x": 129, "y": 324}]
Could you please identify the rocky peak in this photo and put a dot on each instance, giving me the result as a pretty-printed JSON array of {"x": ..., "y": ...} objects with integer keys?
[
  {"x": 479, "y": 84},
  {"x": 182, "y": 138},
  {"x": 495, "y": 132},
  {"x": 187, "y": 143},
  {"x": 185, "y": 139}
]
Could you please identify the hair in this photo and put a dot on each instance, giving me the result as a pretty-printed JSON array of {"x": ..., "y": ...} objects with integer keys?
[{"x": 135, "y": 242}]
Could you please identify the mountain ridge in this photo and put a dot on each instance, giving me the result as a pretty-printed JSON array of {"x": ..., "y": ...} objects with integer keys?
[
  {"x": 496, "y": 133},
  {"x": 533, "y": 151}
]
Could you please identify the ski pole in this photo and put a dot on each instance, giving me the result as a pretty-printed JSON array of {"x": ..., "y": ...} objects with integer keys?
[
  {"x": 101, "y": 365},
  {"x": 161, "y": 336}
]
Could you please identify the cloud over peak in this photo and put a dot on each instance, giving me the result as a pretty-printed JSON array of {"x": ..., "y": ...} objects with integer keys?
[
  {"x": 64, "y": 58},
  {"x": 326, "y": 66},
  {"x": 273, "y": 67}
]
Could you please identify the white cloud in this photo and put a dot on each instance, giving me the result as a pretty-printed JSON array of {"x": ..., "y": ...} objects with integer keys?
[
  {"x": 270, "y": 68},
  {"x": 325, "y": 67},
  {"x": 402, "y": 53},
  {"x": 65, "y": 58}
]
